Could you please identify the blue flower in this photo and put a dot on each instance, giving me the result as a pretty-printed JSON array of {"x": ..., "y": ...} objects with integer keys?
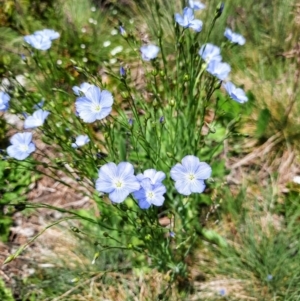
[
  {"x": 130, "y": 121},
  {"x": 37, "y": 41},
  {"x": 190, "y": 175},
  {"x": 117, "y": 180},
  {"x": 156, "y": 177},
  {"x": 94, "y": 105},
  {"x": 234, "y": 37},
  {"x": 21, "y": 146},
  {"x": 123, "y": 31},
  {"x": 222, "y": 292},
  {"x": 187, "y": 20},
  {"x": 218, "y": 69},
  {"x": 210, "y": 52},
  {"x": 219, "y": 9},
  {"x": 172, "y": 234},
  {"x": 122, "y": 72},
  {"x": 196, "y": 5},
  {"x": 39, "y": 105},
  {"x": 152, "y": 189},
  {"x": 150, "y": 194},
  {"x": 37, "y": 119},
  {"x": 149, "y": 52},
  {"x": 235, "y": 93},
  {"x": 49, "y": 33},
  {"x": 4, "y": 101},
  {"x": 81, "y": 140},
  {"x": 81, "y": 89}
]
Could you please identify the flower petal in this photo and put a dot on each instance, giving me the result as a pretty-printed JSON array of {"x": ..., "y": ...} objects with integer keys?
[
  {"x": 108, "y": 170},
  {"x": 196, "y": 25},
  {"x": 203, "y": 171},
  {"x": 183, "y": 187},
  {"x": 178, "y": 172},
  {"x": 118, "y": 195},
  {"x": 190, "y": 163},
  {"x": 104, "y": 185},
  {"x": 197, "y": 186},
  {"x": 106, "y": 99},
  {"x": 143, "y": 204}
]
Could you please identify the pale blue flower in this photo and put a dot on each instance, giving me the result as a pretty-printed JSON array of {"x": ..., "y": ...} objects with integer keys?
[
  {"x": 122, "y": 72},
  {"x": 81, "y": 89},
  {"x": 150, "y": 194},
  {"x": 21, "y": 146},
  {"x": 94, "y": 105},
  {"x": 235, "y": 93},
  {"x": 222, "y": 292},
  {"x": 152, "y": 189},
  {"x": 187, "y": 20},
  {"x": 234, "y": 37},
  {"x": 155, "y": 177},
  {"x": 37, "y": 119},
  {"x": 37, "y": 41},
  {"x": 117, "y": 180},
  {"x": 122, "y": 31},
  {"x": 189, "y": 176},
  {"x": 210, "y": 52},
  {"x": 49, "y": 33},
  {"x": 218, "y": 69},
  {"x": 4, "y": 101},
  {"x": 81, "y": 140},
  {"x": 39, "y": 105},
  {"x": 196, "y": 5},
  {"x": 149, "y": 52}
]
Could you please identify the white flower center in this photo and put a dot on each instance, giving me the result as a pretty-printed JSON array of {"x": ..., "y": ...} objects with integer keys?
[
  {"x": 96, "y": 108},
  {"x": 119, "y": 184},
  {"x": 150, "y": 195},
  {"x": 23, "y": 147},
  {"x": 208, "y": 58},
  {"x": 191, "y": 177}
]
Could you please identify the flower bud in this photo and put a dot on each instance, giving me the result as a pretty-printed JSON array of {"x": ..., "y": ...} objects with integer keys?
[
  {"x": 219, "y": 10},
  {"x": 95, "y": 257},
  {"x": 74, "y": 280},
  {"x": 123, "y": 32},
  {"x": 154, "y": 72},
  {"x": 75, "y": 229},
  {"x": 186, "y": 77},
  {"x": 148, "y": 237},
  {"x": 124, "y": 94},
  {"x": 162, "y": 73},
  {"x": 122, "y": 72},
  {"x": 172, "y": 102},
  {"x": 155, "y": 103}
]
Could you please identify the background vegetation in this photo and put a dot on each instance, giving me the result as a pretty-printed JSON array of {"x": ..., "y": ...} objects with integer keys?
[{"x": 252, "y": 249}]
